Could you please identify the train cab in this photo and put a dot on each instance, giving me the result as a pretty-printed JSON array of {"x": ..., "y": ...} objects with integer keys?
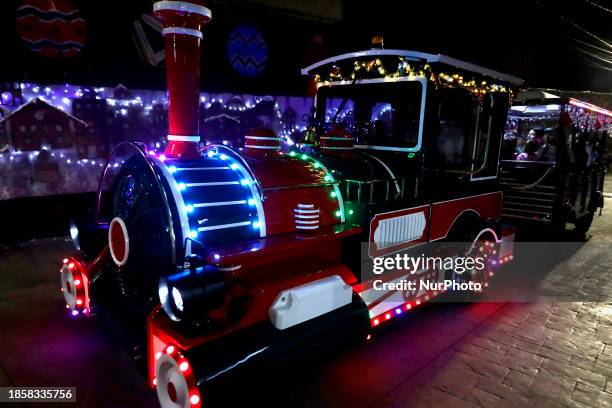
[{"x": 405, "y": 129}]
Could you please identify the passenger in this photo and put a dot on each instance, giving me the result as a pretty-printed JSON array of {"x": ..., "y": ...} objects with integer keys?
[
  {"x": 536, "y": 134},
  {"x": 579, "y": 150},
  {"x": 520, "y": 145},
  {"x": 530, "y": 153},
  {"x": 380, "y": 131},
  {"x": 509, "y": 145},
  {"x": 590, "y": 153},
  {"x": 600, "y": 150},
  {"x": 548, "y": 151},
  {"x": 450, "y": 143},
  {"x": 510, "y": 135}
]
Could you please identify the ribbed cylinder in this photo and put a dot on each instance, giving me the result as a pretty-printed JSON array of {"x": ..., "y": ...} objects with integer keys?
[
  {"x": 182, "y": 22},
  {"x": 337, "y": 142},
  {"x": 262, "y": 141}
]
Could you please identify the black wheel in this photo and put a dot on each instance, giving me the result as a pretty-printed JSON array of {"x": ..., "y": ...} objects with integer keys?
[
  {"x": 559, "y": 223},
  {"x": 473, "y": 242},
  {"x": 583, "y": 223}
]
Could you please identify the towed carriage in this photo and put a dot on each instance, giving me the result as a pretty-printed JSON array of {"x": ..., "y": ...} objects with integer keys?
[
  {"x": 562, "y": 183},
  {"x": 236, "y": 259}
]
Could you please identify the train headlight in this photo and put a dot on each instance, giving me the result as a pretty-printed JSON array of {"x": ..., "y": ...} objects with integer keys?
[
  {"x": 74, "y": 235},
  {"x": 163, "y": 293},
  {"x": 188, "y": 295},
  {"x": 169, "y": 302},
  {"x": 177, "y": 298}
]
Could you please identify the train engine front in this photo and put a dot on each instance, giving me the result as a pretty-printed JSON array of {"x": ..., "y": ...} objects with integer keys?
[{"x": 233, "y": 259}]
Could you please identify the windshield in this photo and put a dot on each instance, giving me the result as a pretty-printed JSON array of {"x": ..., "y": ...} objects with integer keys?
[{"x": 383, "y": 115}]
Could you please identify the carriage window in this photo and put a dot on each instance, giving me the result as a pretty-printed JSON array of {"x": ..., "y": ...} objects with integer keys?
[
  {"x": 380, "y": 115},
  {"x": 527, "y": 122}
]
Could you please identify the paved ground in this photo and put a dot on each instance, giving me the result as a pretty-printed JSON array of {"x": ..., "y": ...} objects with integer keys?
[{"x": 502, "y": 354}]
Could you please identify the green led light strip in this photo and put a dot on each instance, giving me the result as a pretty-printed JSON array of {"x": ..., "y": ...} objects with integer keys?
[{"x": 329, "y": 178}]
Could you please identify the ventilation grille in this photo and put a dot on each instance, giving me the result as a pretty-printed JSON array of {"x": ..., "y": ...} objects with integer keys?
[
  {"x": 306, "y": 217},
  {"x": 397, "y": 230}
]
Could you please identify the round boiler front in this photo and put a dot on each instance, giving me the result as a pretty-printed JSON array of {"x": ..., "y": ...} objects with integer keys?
[
  {"x": 217, "y": 199},
  {"x": 161, "y": 210},
  {"x": 133, "y": 202}
]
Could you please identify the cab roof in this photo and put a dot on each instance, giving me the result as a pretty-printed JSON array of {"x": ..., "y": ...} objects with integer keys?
[{"x": 416, "y": 56}]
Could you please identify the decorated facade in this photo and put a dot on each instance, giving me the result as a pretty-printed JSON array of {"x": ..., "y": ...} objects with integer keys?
[
  {"x": 38, "y": 123},
  {"x": 78, "y": 126}
]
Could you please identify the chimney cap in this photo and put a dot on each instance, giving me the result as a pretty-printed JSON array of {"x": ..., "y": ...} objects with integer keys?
[
  {"x": 190, "y": 6},
  {"x": 378, "y": 41}
]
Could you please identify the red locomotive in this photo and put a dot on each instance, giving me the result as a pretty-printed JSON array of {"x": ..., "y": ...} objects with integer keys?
[{"x": 236, "y": 258}]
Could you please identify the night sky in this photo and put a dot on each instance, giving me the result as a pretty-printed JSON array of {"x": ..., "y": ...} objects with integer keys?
[
  {"x": 543, "y": 41},
  {"x": 534, "y": 39}
]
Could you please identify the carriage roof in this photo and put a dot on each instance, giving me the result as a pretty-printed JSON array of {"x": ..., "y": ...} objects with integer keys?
[{"x": 530, "y": 97}]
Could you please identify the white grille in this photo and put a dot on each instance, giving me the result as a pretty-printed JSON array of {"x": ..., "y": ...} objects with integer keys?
[
  {"x": 397, "y": 230},
  {"x": 306, "y": 217}
]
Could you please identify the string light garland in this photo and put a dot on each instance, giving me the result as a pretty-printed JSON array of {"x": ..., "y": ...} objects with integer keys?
[
  {"x": 375, "y": 69},
  {"x": 148, "y": 104}
]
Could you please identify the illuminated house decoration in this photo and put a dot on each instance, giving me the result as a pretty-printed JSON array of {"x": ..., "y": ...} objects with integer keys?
[
  {"x": 4, "y": 139},
  {"x": 10, "y": 94},
  {"x": 218, "y": 128},
  {"x": 90, "y": 141},
  {"x": 142, "y": 116},
  {"x": 122, "y": 93},
  {"x": 39, "y": 123},
  {"x": 131, "y": 124},
  {"x": 159, "y": 119},
  {"x": 47, "y": 171}
]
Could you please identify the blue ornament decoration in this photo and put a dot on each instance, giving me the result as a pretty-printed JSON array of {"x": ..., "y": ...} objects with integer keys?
[{"x": 247, "y": 51}]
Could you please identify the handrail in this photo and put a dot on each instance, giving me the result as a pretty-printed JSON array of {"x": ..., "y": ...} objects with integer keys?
[
  {"x": 537, "y": 182},
  {"x": 529, "y": 162},
  {"x": 374, "y": 181},
  {"x": 370, "y": 184},
  {"x": 468, "y": 172},
  {"x": 305, "y": 185}
]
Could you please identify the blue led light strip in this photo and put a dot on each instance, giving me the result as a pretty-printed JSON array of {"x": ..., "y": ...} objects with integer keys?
[
  {"x": 178, "y": 199},
  {"x": 215, "y": 183},
  {"x": 328, "y": 178},
  {"x": 248, "y": 180},
  {"x": 219, "y": 203},
  {"x": 175, "y": 169},
  {"x": 236, "y": 169},
  {"x": 224, "y": 226}
]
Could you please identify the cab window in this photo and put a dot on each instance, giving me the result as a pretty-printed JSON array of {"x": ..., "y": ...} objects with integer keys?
[{"x": 385, "y": 115}]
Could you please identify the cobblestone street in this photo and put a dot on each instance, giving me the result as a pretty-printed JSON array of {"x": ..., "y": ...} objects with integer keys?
[{"x": 502, "y": 354}]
